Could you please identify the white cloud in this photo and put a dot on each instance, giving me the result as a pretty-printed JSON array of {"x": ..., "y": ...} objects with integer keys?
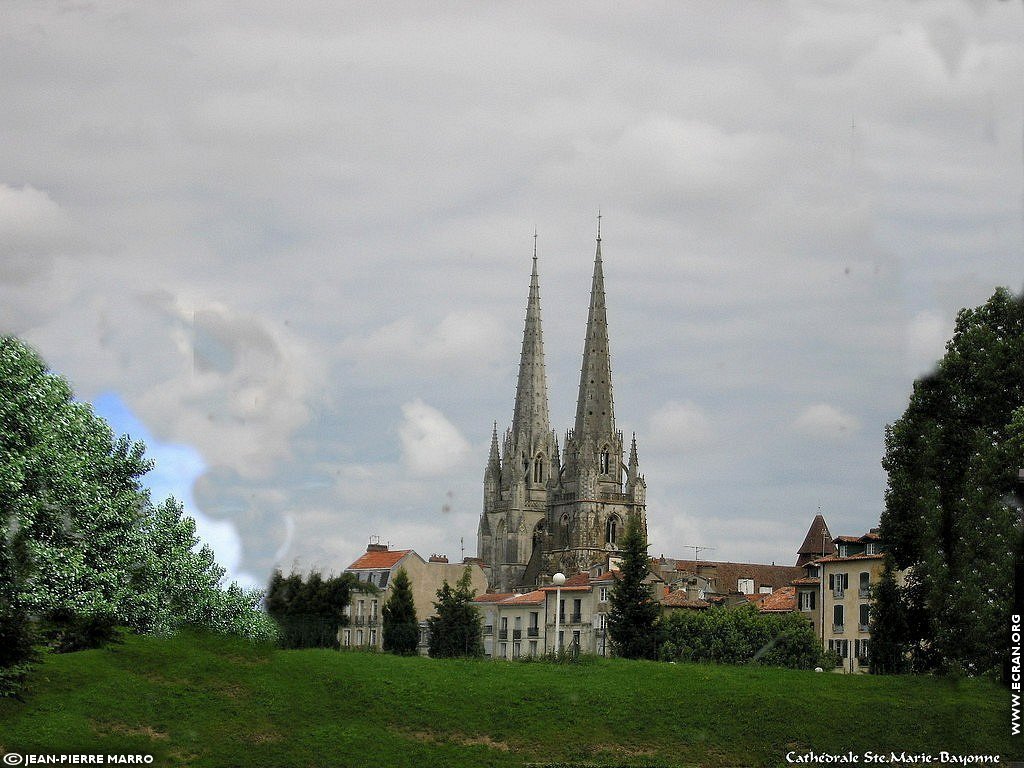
[
  {"x": 926, "y": 341},
  {"x": 823, "y": 421},
  {"x": 431, "y": 445},
  {"x": 678, "y": 426}
]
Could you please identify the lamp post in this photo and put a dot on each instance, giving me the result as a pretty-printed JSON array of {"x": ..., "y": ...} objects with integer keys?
[{"x": 558, "y": 580}]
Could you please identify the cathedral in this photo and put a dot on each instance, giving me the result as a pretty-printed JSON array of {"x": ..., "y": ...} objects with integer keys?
[{"x": 544, "y": 510}]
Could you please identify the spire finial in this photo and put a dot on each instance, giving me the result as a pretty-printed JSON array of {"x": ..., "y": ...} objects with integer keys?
[
  {"x": 599, "y": 225},
  {"x": 535, "y": 244}
]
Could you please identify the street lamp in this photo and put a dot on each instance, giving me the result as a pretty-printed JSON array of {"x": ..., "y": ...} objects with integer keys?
[{"x": 558, "y": 580}]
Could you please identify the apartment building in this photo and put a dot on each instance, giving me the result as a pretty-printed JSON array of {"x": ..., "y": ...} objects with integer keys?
[
  {"x": 377, "y": 567},
  {"x": 835, "y": 595}
]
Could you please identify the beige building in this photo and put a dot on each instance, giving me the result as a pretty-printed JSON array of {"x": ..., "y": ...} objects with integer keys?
[
  {"x": 835, "y": 595},
  {"x": 377, "y": 567}
]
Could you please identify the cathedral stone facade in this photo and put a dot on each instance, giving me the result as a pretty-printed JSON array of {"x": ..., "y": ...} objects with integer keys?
[{"x": 546, "y": 511}]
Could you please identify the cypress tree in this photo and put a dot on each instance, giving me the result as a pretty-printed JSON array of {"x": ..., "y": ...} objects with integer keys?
[
  {"x": 632, "y": 621},
  {"x": 401, "y": 630},
  {"x": 455, "y": 629}
]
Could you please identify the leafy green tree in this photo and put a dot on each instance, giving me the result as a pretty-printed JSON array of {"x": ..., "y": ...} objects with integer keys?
[
  {"x": 740, "y": 636},
  {"x": 90, "y": 551},
  {"x": 633, "y": 618},
  {"x": 952, "y": 461},
  {"x": 308, "y": 612},
  {"x": 401, "y": 629},
  {"x": 456, "y": 628}
]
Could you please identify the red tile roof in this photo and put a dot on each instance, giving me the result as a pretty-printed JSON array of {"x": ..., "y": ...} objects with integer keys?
[
  {"x": 379, "y": 559},
  {"x": 780, "y": 601},
  {"x": 678, "y": 599},
  {"x": 530, "y": 598},
  {"x": 725, "y": 576},
  {"x": 493, "y": 597},
  {"x": 806, "y": 581},
  {"x": 861, "y": 556}
]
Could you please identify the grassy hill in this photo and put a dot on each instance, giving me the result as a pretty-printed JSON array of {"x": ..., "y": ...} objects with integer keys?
[{"x": 212, "y": 701}]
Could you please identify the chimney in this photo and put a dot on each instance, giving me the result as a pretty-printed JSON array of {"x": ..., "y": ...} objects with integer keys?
[{"x": 438, "y": 558}]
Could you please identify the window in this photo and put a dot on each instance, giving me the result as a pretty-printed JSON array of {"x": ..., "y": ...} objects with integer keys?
[
  {"x": 865, "y": 617},
  {"x": 577, "y": 611},
  {"x": 373, "y": 610},
  {"x": 604, "y": 595},
  {"x": 384, "y": 578},
  {"x": 841, "y": 648},
  {"x": 605, "y": 457},
  {"x": 533, "y": 647},
  {"x": 359, "y": 637},
  {"x": 576, "y": 638},
  {"x": 561, "y": 609},
  {"x": 861, "y": 650},
  {"x": 516, "y": 650},
  {"x": 865, "y": 584},
  {"x": 842, "y": 550},
  {"x": 746, "y": 586},
  {"x": 764, "y": 590},
  {"x": 807, "y": 601},
  {"x": 613, "y": 529},
  {"x": 373, "y": 637},
  {"x": 346, "y": 638},
  {"x": 503, "y": 650},
  {"x": 538, "y": 469},
  {"x": 838, "y": 583},
  {"x": 837, "y": 618},
  {"x": 871, "y": 548}
]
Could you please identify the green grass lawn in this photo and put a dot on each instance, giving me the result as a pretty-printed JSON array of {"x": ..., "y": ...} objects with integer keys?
[{"x": 209, "y": 701}]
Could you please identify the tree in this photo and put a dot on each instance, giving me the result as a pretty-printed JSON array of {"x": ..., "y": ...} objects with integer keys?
[
  {"x": 739, "y": 636},
  {"x": 308, "y": 612},
  {"x": 456, "y": 629},
  {"x": 887, "y": 651},
  {"x": 632, "y": 621},
  {"x": 401, "y": 630},
  {"x": 952, "y": 461},
  {"x": 89, "y": 549}
]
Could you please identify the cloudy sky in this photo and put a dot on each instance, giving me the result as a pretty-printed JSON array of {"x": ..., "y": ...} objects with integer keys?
[{"x": 289, "y": 245}]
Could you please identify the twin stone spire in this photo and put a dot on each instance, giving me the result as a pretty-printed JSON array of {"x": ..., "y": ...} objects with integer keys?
[{"x": 541, "y": 514}]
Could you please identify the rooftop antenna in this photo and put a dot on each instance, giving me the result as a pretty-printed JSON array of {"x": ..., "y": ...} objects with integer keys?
[
  {"x": 697, "y": 550},
  {"x": 462, "y": 547}
]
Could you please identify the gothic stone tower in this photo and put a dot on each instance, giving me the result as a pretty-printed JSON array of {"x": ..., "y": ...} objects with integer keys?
[
  {"x": 517, "y": 482},
  {"x": 568, "y": 516}
]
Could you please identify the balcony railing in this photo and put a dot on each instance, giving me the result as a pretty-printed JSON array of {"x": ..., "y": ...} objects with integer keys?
[
  {"x": 838, "y": 593},
  {"x": 359, "y": 621},
  {"x": 488, "y": 629},
  {"x": 517, "y": 634},
  {"x": 838, "y": 629},
  {"x": 863, "y": 628},
  {"x": 503, "y": 634},
  {"x": 576, "y": 618},
  {"x": 864, "y": 592},
  {"x": 533, "y": 631}
]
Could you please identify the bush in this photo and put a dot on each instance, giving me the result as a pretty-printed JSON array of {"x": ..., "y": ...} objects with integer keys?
[{"x": 739, "y": 636}]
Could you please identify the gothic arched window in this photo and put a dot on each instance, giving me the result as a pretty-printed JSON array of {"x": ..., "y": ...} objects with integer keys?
[
  {"x": 538, "y": 468},
  {"x": 605, "y": 456},
  {"x": 613, "y": 528},
  {"x": 565, "y": 530}
]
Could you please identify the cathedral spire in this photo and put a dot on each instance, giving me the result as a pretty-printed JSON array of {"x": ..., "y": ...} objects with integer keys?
[
  {"x": 530, "y": 423},
  {"x": 595, "y": 415},
  {"x": 493, "y": 461}
]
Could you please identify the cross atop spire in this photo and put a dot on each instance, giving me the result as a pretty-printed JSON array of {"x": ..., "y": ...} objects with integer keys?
[
  {"x": 599, "y": 225},
  {"x": 595, "y": 416},
  {"x": 530, "y": 422}
]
